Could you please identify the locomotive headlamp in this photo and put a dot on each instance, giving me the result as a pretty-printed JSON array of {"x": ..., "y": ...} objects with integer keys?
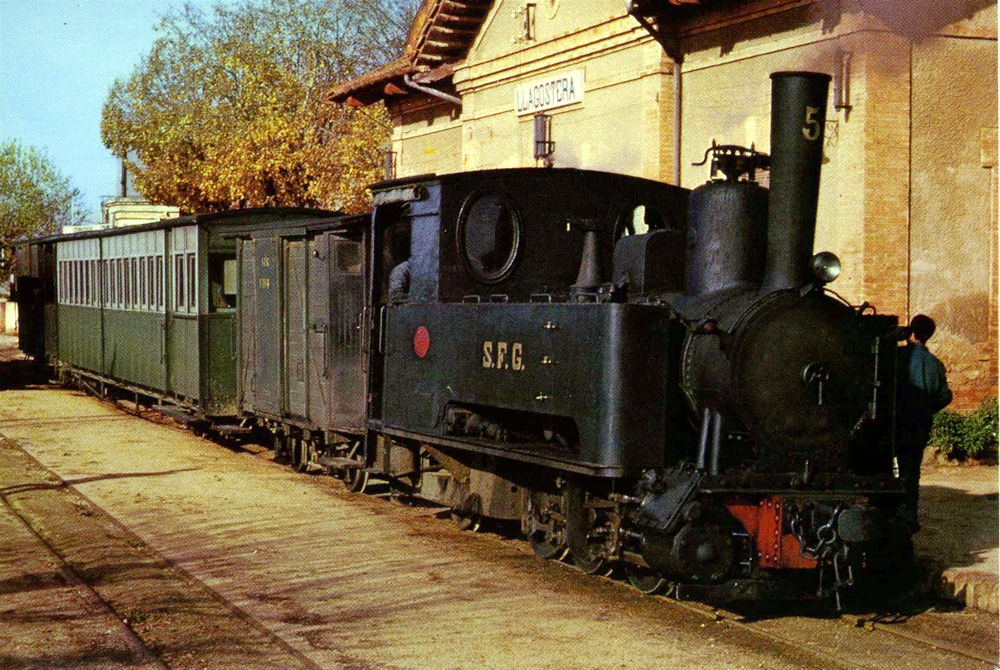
[{"x": 825, "y": 265}]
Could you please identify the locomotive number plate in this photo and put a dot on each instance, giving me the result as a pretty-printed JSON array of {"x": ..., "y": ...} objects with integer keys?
[{"x": 503, "y": 355}]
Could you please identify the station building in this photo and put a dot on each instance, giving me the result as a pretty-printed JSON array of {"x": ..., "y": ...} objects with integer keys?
[{"x": 908, "y": 199}]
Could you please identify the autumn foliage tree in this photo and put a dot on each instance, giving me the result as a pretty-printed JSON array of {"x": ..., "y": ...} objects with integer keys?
[{"x": 227, "y": 110}]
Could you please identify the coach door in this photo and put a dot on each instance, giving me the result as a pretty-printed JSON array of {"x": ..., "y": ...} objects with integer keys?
[
  {"x": 347, "y": 289},
  {"x": 294, "y": 322},
  {"x": 266, "y": 378},
  {"x": 318, "y": 332}
]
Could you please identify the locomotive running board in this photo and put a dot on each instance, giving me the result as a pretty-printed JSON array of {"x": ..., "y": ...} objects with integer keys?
[{"x": 510, "y": 453}]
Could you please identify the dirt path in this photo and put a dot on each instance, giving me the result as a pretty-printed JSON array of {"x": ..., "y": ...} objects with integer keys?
[{"x": 302, "y": 573}]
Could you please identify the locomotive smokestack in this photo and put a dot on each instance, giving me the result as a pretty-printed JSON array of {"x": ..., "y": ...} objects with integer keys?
[{"x": 798, "y": 121}]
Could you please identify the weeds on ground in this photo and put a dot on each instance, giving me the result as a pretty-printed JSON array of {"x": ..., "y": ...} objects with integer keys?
[{"x": 958, "y": 436}]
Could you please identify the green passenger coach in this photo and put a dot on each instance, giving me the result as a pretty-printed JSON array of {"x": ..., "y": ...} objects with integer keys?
[{"x": 152, "y": 308}]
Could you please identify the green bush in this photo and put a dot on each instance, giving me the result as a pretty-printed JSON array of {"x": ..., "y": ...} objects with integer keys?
[{"x": 959, "y": 437}]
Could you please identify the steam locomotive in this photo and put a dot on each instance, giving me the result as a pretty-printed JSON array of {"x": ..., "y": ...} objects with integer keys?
[{"x": 641, "y": 375}]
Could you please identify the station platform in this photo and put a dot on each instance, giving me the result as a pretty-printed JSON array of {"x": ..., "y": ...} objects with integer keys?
[{"x": 957, "y": 543}]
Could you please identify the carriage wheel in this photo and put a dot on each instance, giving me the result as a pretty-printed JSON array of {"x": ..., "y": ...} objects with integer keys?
[{"x": 356, "y": 480}]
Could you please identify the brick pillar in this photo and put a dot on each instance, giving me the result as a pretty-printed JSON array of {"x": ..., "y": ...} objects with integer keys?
[{"x": 887, "y": 174}]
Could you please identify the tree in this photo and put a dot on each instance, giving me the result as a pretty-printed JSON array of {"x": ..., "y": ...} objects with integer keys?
[
  {"x": 34, "y": 198},
  {"x": 227, "y": 110}
]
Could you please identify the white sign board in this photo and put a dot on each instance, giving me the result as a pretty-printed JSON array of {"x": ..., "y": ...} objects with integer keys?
[{"x": 557, "y": 91}]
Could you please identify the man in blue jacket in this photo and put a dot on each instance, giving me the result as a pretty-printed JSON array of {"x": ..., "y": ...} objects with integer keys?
[{"x": 924, "y": 393}]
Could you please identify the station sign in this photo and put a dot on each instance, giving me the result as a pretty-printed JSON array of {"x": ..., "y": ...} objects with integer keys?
[{"x": 556, "y": 91}]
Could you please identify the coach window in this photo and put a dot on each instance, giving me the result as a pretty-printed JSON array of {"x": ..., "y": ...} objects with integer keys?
[
  {"x": 159, "y": 282},
  {"x": 119, "y": 284},
  {"x": 192, "y": 285},
  {"x": 150, "y": 296},
  {"x": 136, "y": 296},
  {"x": 129, "y": 283},
  {"x": 179, "y": 285},
  {"x": 221, "y": 282}
]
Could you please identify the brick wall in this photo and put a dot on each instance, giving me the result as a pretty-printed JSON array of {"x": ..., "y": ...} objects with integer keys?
[{"x": 887, "y": 175}]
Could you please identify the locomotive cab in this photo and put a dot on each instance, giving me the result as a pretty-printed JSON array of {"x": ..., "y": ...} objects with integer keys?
[{"x": 498, "y": 347}]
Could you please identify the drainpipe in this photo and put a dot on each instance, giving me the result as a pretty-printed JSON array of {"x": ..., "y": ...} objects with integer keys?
[
  {"x": 431, "y": 91},
  {"x": 677, "y": 122}
]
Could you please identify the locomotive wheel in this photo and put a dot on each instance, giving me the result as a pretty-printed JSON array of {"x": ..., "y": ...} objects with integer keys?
[
  {"x": 645, "y": 580},
  {"x": 581, "y": 520},
  {"x": 543, "y": 524}
]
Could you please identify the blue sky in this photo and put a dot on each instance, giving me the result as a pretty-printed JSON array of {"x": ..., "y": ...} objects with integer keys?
[{"x": 58, "y": 60}]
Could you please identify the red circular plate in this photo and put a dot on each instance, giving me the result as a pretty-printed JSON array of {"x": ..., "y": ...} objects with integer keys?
[{"x": 421, "y": 342}]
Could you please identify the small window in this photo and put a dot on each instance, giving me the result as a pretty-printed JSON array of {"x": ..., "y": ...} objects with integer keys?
[
  {"x": 134, "y": 282},
  {"x": 143, "y": 303},
  {"x": 191, "y": 284},
  {"x": 119, "y": 284},
  {"x": 129, "y": 283},
  {"x": 105, "y": 293},
  {"x": 150, "y": 295},
  {"x": 221, "y": 282},
  {"x": 86, "y": 282},
  {"x": 179, "y": 282},
  {"x": 348, "y": 256},
  {"x": 489, "y": 237},
  {"x": 640, "y": 220},
  {"x": 159, "y": 282}
]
